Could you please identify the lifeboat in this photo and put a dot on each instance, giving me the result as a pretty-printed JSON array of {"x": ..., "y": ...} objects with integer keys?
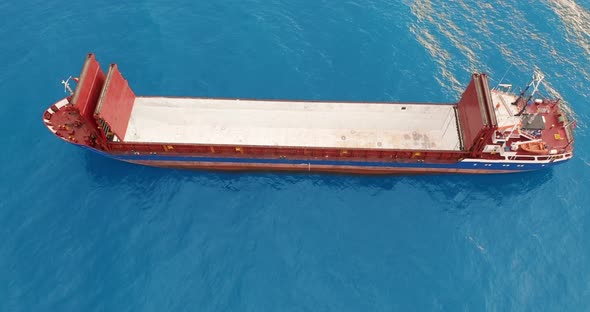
[{"x": 538, "y": 147}]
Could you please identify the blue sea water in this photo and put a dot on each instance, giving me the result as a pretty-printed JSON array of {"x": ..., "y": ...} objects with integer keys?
[{"x": 79, "y": 232}]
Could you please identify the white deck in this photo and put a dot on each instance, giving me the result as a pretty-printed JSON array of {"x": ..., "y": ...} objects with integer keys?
[
  {"x": 301, "y": 124},
  {"x": 504, "y": 109}
]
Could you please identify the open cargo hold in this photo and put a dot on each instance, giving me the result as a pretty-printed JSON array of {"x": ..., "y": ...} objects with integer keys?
[{"x": 295, "y": 124}]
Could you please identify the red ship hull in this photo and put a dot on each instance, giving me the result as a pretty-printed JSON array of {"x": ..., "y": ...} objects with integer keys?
[{"x": 472, "y": 136}]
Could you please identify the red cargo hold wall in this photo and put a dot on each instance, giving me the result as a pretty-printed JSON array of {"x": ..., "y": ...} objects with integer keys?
[
  {"x": 89, "y": 87},
  {"x": 476, "y": 115},
  {"x": 115, "y": 103}
]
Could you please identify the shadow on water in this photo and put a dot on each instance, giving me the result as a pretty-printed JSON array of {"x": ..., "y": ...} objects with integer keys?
[
  {"x": 463, "y": 191},
  {"x": 155, "y": 190}
]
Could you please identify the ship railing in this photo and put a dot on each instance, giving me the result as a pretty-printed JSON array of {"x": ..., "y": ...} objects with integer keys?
[
  {"x": 500, "y": 136},
  {"x": 539, "y": 158},
  {"x": 568, "y": 131},
  {"x": 526, "y": 135},
  {"x": 505, "y": 87},
  {"x": 506, "y": 151},
  {"x": 285, "y": 152}
]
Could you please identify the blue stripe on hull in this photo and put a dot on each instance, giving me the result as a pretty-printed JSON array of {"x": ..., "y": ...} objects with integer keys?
[{"x": 464, "y": 165}]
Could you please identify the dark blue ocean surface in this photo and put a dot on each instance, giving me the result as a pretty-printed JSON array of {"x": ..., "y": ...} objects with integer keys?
[{"x": 83, "y": 233}]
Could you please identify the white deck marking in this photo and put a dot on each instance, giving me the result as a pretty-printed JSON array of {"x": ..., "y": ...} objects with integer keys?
[{"x": 298, "y": 124}]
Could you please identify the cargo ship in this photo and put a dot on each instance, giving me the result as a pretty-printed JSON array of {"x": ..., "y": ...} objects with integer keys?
[{"x": 489, "y": 130}]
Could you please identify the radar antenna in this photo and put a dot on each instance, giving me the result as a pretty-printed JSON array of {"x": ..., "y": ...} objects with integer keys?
[
  {"x": 537, "y": 79},
  {"x": 535, "y": 83}
]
